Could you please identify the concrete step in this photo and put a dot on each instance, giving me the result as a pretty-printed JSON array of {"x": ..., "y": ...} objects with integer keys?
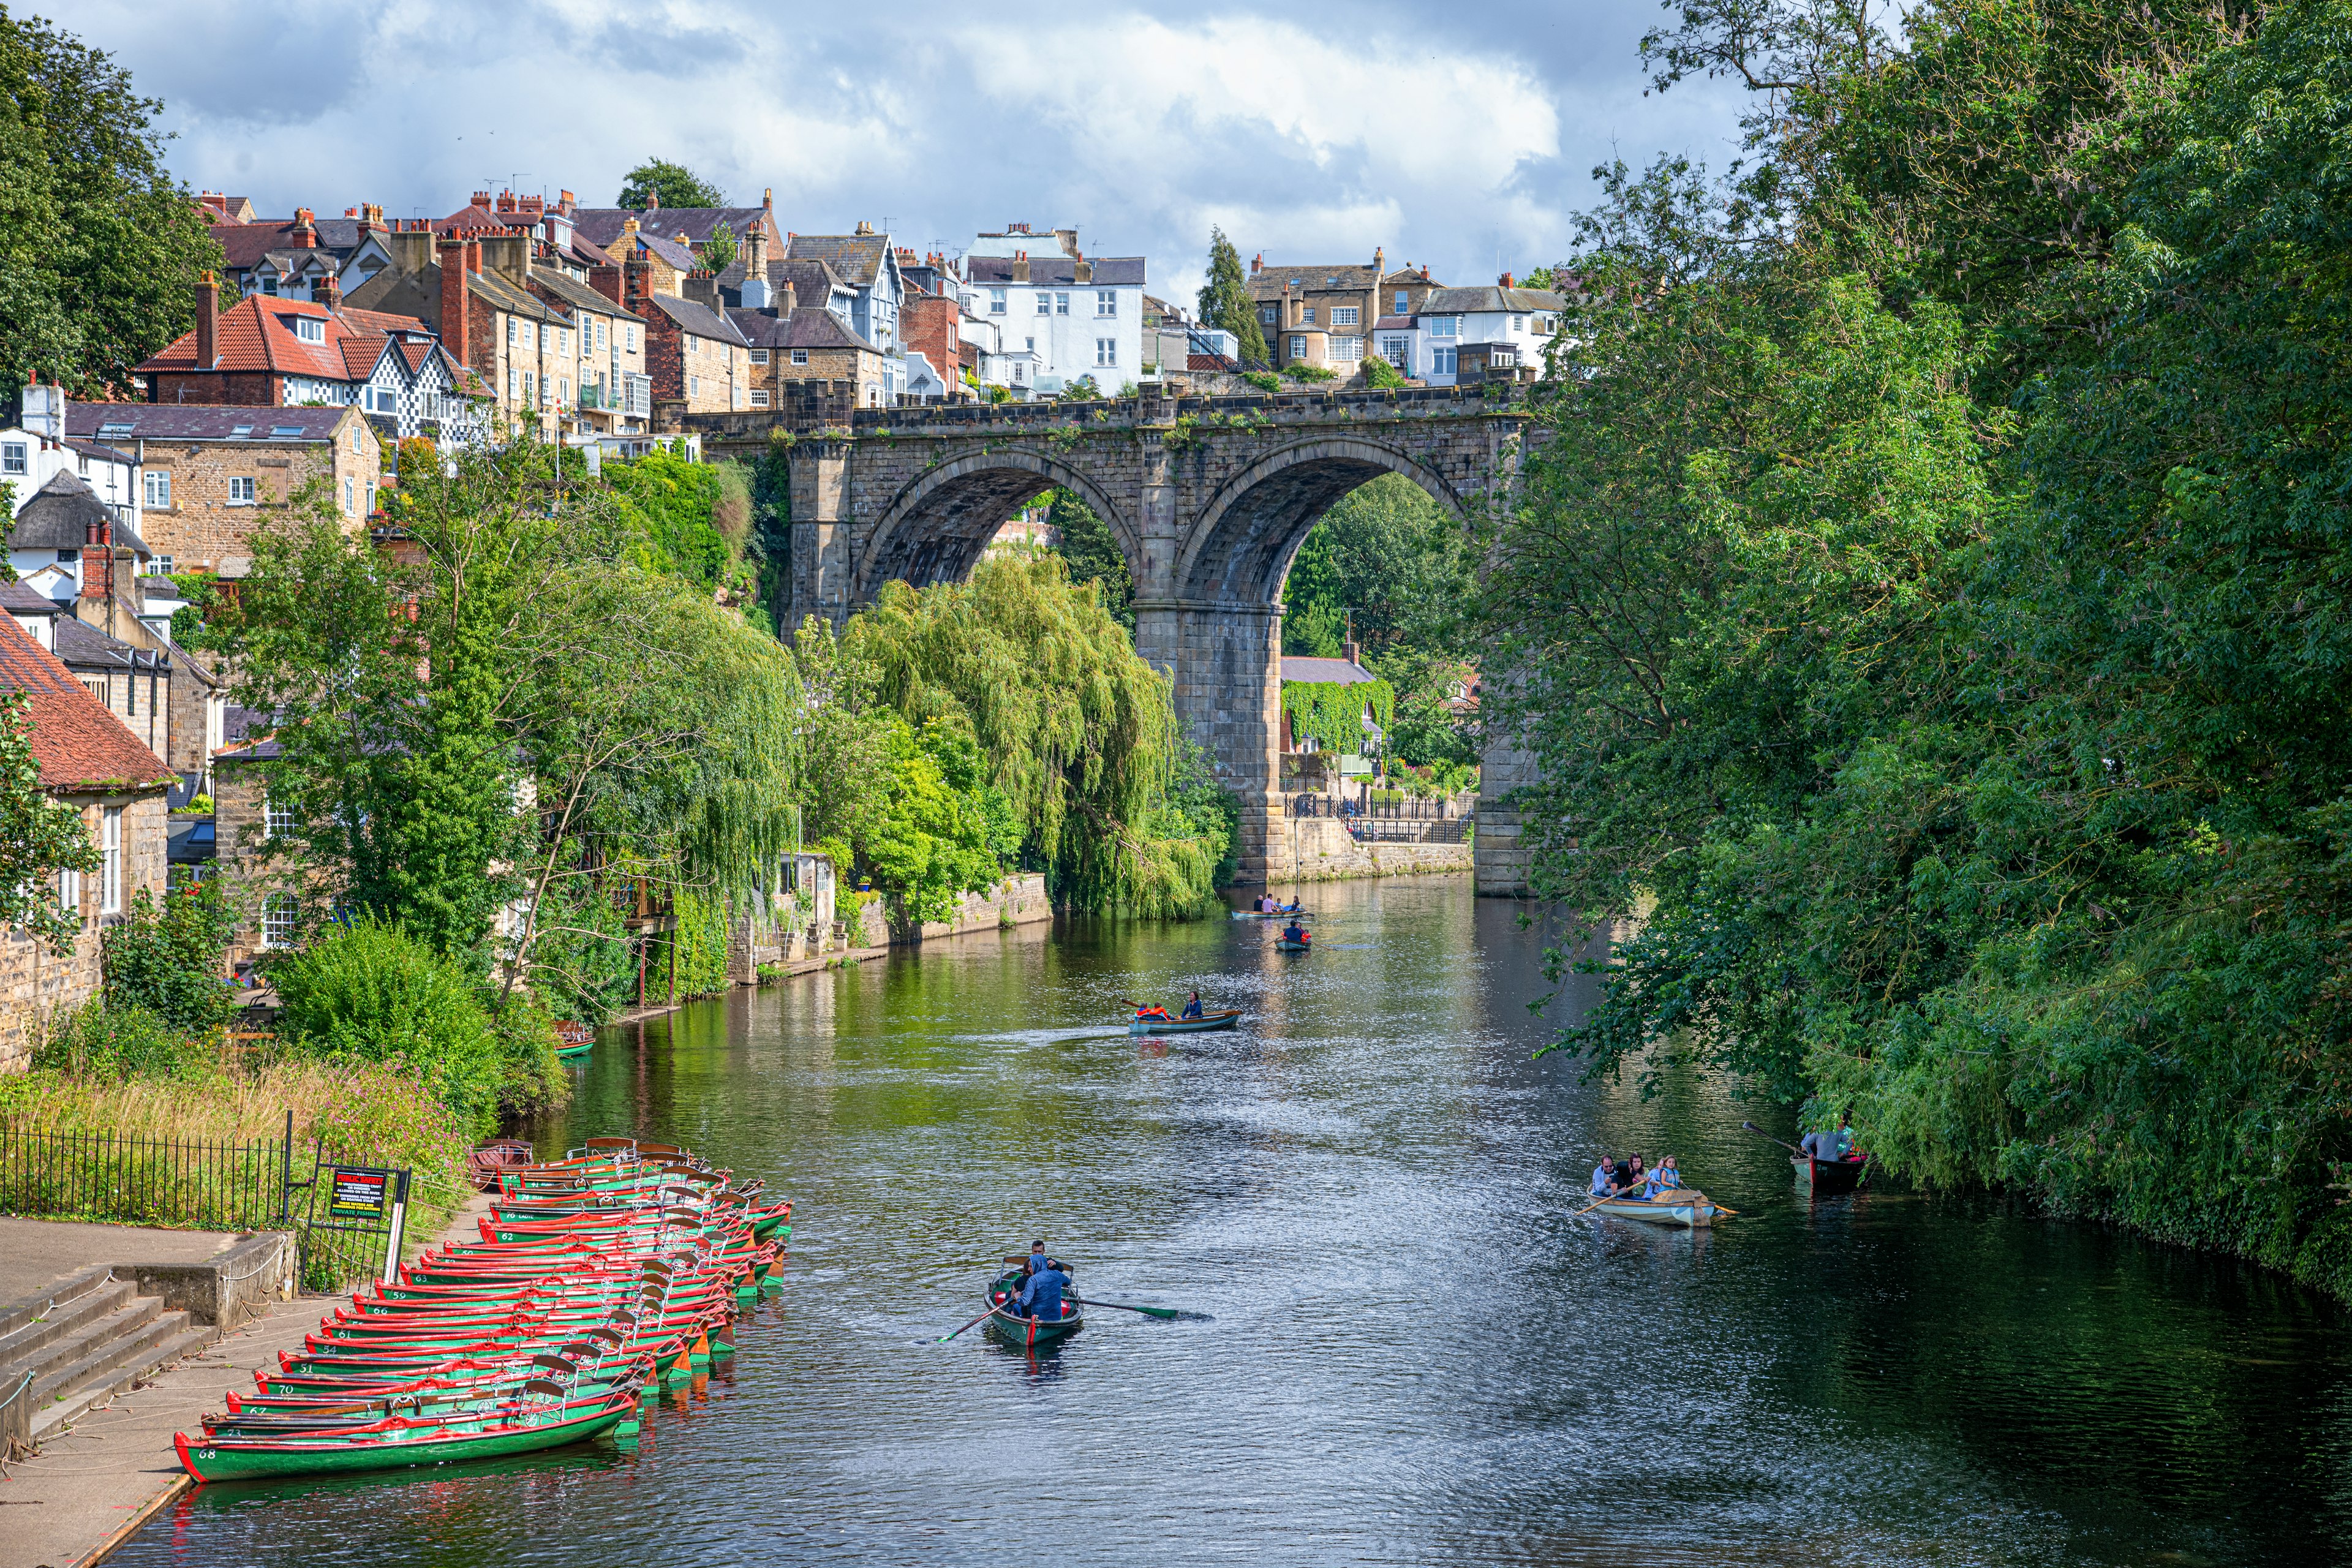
[
  {"x": 38, "y": 1326},
  {"x": 175, "y": 1337},
  {"x": 101, "y": 1347}
]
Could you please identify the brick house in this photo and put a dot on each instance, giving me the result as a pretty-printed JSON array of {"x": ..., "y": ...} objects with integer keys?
[
  {"x": 213, "y": 474},
  {"x": 301, "y": 258},
  {"x": 91, "y": 763},
  {"x": 933, "y": 325},
  {"x": 1326, "y": 315},
  {"x": 692, "y": 227}
]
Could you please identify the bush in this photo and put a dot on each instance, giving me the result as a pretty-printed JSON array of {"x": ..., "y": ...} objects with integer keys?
[
  {"x": 1381, "y": 376},
  {"x": 111, "y": 1043},
  {"x": 372, "y": 993},
  {"x": 1264, "y": 379},
  {"x": 166, "y": 958},
  {"x": 1309, "y": 373}
]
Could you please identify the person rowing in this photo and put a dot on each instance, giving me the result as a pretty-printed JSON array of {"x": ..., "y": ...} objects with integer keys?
[
  {"x": 1193, "y": 1007},
  {"x": 1041, "y": 1297},
  {"x": 1294, "y": 932}
]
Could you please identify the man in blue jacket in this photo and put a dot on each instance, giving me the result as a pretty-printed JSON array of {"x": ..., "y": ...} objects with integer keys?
[{"x": 1042, "y": 1296}]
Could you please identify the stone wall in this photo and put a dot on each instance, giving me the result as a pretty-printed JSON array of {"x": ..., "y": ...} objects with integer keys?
[
  {"x": 1017, "y": 900},
  {"x": 38, "y": 982},
  {"x": 1320, "y": 849}
]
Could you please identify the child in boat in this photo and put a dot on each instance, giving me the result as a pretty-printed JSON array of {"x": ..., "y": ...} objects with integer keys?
[
  {"x": 1664, "y": 1179},
  {"x": 1155, "y": 1013}
]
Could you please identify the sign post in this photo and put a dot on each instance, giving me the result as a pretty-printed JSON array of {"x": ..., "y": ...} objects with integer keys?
[{"x": 398, "y": 1228}]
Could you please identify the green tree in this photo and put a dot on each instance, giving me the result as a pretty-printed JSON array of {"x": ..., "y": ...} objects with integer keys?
[
  {"x": 168, "y": 958},
  {"x": 675, "y": 185},
  {"x": 1387, "y": 560},
  {"x": 1224, "y": 300},
  {"x": 1093, "y": 554},
  {"x": 720, "y": 251},
  {"x": 39, "y": 836},
  {"x": 100, "y": 249}
]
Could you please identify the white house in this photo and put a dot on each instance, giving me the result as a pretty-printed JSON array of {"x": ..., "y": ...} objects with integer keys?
[
  {"x": 1078, "y": 315},
  {"x": 35, "y": 448},
  {"x": 1518, "y": 323}
]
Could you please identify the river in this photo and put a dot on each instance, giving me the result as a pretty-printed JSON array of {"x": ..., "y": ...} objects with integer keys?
[{"x": 1418, "y": 1354}]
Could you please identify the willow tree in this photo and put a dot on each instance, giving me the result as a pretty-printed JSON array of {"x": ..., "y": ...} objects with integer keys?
[{"x": 1078, "y": 732}]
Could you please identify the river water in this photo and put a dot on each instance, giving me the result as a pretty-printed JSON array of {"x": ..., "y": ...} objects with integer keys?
[{"x": 1418, "y": 1356}]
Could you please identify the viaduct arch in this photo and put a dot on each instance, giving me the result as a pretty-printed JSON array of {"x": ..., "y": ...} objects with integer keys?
[{"x": 1209, "y": 499}]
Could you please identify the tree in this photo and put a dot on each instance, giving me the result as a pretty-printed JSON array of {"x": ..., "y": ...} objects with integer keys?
[
  {"x": 100, "y": 249},
  {"x": 1093, "y": 554},
  {"x": 719, "y": 250},
  {"x": 1387, "y": 559},
  {"x": 1224, "y": 300},
  {"x": 39, "y": 836},
  {"x": 670, "y": 185}
]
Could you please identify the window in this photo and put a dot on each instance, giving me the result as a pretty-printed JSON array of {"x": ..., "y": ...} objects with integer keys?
[
  {"x": 694, "y": 386},
  {"x": 355, "y": 440},
  {"x": 276, "y": 819},
  {"x": 370, "y": 499},
  {"x": 109, "y": 870},
  {"x": 1033, "y": 344},
  {"x": 799, "y": 356},
  {"x": 996, "y": 301},
  {"x": 1106, "y": 302},
  {"x": 1299, "y": 348},
  {"x": 1269, "y": 314},
  {"x": 514, "y": 381},
  {"x": 158, "y": 566},
  {"x": 514, "y": 332},
  {"x": 529, "y": 385},
  {"x": 563, "y": 340},
  {"x": 1348, "y": 348},
  {"x": 351, "y": 493},
  {"x": 1401, "y": 306},
  {"x": 159, "y": 491},
  {"x": 600, "y": 334},
  {"x": 1444, "y": 326},
  {"x": 308, "y": 329},
  {"x": 1543, "y": 326},
  {"x": 1106, "y": 350},
  {"x": 1045, "y": 304},
  {"x": 758, "y": 356},
  {"x": 69, "y": 892},
  {"x": 1519, "y": 324},
  {"x": 1307, "y": 317},
  {"x": 759, "y": 398},
  {"x": 1062, "y": 304},
  {"x": 1345, "y": 315},
  {"x": 1443, "y": 361},
  {"x": 563, "y": 389},
  {"x": 12, "y": 457},
  {"x": 632, "y": 344},
  {"x": 1398, "y": 351},
  {"x": 240, "y": 492},
  {"x": 530, "y": 336},
  {"x": 279, "y": 912}
]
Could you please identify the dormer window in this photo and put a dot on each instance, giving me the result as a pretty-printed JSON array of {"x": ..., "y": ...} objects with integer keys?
[{"x": 308, "y": 329}]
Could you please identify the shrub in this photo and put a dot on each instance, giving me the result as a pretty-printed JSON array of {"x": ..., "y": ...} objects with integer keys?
[
  {"x": 111, "y": 1043},
  {"x": 166, "y": 958},
  {"x": 1264, "y": 379},
  {"x": 1310, "y": 372},
  {"x": 1381, "y": 376},
  {"x": 372, "y": 993}
]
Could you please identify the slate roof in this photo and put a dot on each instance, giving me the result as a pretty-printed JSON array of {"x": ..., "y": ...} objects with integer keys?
[
  {"x": 577, "y": 295},
  {"x": 60, "y": 515},
  {"x": 858, "y": 258},
  {"x": 810, "y": 327},
  {"x": 1331, "y": 672},
  {"x": 808, "y": 276},
  {"x": 79, "y": 643},
  {"x": 18, "y": 599},
  {"x": 1057, "y": 270},
  {"x": 603, "y": 226},
  {"x": 200, "y": 422},
  {"x": 1488, "y": 299},
  {"x": 699, "y": 320},
  {"x": 1266, "y": 282},
  {"x": 79, "y": 744}
]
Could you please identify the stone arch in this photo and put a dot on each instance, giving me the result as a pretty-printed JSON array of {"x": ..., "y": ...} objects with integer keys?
[
  {"x": 1241, "y": 549},
  {"x": 934, "y": 529}
]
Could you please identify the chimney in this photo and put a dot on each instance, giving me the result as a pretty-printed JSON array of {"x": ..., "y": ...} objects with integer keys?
[
  {"x": 44, "y": 413},
  {"x": 1082, "y": 270},
  {"x": 1349, "y": 651},
  {"x": 755, "y": 268},
  {"x": 1380, "y": 264},
  {"x": 1424, "y": 273},
  {"x": 207, "y": 322},
  {"x": 768, "y": 202},
  {"x": 306, "y": 229},
  {"x": 652, "y": 201},
  {"x": 1069, "y": 241},
  {"x": 1021, "y": 267},
  {"x": 331, "y": 292},
  {"x": 1505, "y": 280},
  {"x": 865, "y": 227},
  {"x": 474, "y": 255},
  {"x": 98, "y": 562},
  {"x": 606, "y": 280},
  {"x": 787, "y": 299},
  {"x": 456, "y": 316}
]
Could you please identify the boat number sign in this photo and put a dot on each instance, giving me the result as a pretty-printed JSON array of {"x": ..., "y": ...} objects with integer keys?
[{"x": 360, "y": 1191}]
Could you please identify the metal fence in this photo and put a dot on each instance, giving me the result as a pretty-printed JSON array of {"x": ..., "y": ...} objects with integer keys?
[
  {"x": 1411, "y": 829},
  {"x": 127, "y": 1179}
]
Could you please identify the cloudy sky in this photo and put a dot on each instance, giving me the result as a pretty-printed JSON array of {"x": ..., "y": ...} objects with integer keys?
[{"x": 1459, "y": 135}]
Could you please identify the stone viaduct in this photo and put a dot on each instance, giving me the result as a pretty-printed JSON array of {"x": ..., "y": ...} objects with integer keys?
[{"x": 1209, "y": 499}]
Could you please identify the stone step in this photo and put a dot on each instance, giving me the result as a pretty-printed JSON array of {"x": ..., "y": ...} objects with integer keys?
[
  {"x": 101, "y": 1347},
  {"x": 180, "y": 1337},
  {"x": 39, "y": 1324}
]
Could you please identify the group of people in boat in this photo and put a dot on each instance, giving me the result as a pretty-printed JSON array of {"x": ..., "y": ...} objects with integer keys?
[
  {"x": 1629, "y": 1178},
  {"x": 1832, "y": 1143},
  {"x": 1156, "y": 1014},
  {"x": 1267, "y": 904}
]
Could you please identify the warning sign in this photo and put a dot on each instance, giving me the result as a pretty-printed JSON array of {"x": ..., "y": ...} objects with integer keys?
[{"x": 360, "y": 1191}]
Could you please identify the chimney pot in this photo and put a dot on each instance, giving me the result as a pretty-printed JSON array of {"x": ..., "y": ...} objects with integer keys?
[{"x": 1506, "y": 280}]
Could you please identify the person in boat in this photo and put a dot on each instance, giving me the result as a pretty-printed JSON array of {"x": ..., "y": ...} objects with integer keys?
[
  {"x": 1664, "y": 1179},
  {"x": 1845, "y": 1137},
  {"x": 1037, "y": 1259},
  {"x": 1632, "y": 1177},
  {"x": 1042, "y": 1296},
  {"x": 1294, "y": 932},
  {"x": 1193, "y": 1007},
  {"x": 1604, "y": 1178},
  {"x": 1155, "y": 1014},
  {"x": 1820, "y": 1144}
]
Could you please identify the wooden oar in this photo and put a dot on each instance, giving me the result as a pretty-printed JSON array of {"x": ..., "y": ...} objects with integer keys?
[
  {"x": 945, "y": 1338},
  {"x": 1169, "y": 1312},
  {"x": 1792, "y": 1148}
]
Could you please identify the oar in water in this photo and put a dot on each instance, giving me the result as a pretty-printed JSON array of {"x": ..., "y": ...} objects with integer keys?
[
  {"x": 1171, "y": 1313},
  {"x": 945, "y": 1338}
]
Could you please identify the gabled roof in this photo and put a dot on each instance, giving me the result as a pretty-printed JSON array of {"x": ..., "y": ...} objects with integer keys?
[
  {"x": 21, "y": 599},
  {"x": 245, "y": 245},
  {"x": 79, "y": 744},
  {"x": 810, "y": 327},
  {"x": 254, "y": 334},
  {"x": 1269, "y": 281},
  {"x": 81, "y": 644},
  {"x": 808, "y": 276},
  {"x": 1059, "y": 270},
  {"x": 858, "y": 258},
  {"x": 202, "y": 422},
  {"x": 699, "y": 320},
  {"x": 603, "y": 224},
  {"x": 1331, "y": 672},
  {"x": 59, "y": 516},
  {"x": 1490, "y": 298},
  {"x": 578, "y": 296}
]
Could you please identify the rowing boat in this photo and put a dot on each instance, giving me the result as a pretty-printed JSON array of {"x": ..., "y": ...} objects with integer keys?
[
  {"x": 392, "y": 1443},
  {"x": 1284, "y": 945},
  {"x": 1685, "y": 1206},
  {"x": 1006, "y": 1325},
  {"x": 1206, "y": 1021},
  {"x": 1830, "y": 1178}
]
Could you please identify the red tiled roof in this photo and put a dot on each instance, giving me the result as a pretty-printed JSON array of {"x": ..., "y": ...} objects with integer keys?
[
  {"x": 79, "y": 744},
  {"x": 253, "y": 336}
]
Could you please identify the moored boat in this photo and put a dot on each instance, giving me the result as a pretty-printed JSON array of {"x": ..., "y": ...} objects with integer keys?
[
  {"x": 1006, "y": 1325},
  {"x": 396, "y": 1443},
  {"x": 1185, "y": 1026},
  {"x": 1685, "y": 1206},
  {"x": 1830, "y": 1178}
]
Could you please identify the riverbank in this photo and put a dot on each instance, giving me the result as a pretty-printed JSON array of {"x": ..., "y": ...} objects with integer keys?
[{"x": 90, "y": 1487}]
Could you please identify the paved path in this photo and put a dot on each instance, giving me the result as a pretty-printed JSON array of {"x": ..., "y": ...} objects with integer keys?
[
  {"x": 83, "y": 1493},
  {"x": 38, "y": 1253}
]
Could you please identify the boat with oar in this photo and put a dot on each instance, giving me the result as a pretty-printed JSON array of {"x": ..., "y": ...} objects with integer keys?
[
  {"x": 1683, "y": 1207},
  {"x": 1820, "y": 1178},
  {"x": 1007, "y": 1326},
  {"x": 400, "y": 1441},
  {"x": 1202, "y": 1024},
  {"x": 1305, "y": 943}
]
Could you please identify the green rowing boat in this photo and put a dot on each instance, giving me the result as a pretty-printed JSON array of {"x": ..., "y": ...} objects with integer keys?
[
  {"x": 243, "y": 1459},
  {"x": 1006, "y": 1325}
]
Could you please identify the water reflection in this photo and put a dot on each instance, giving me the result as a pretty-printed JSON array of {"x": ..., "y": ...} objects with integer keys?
[{"x": 1418, "y": 1355}]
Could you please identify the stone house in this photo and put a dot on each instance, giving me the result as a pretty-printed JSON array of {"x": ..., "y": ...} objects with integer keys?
[
  {"x": 1326, "y": 315},
  {"x": 691, "y": 227},
  {"x": 91, "y": 763},
  {"x": 868, "y": 263},
  {"x": 792, "y": 348},
  {"x": 933, "y": 325},
  {"x": 699, "y": 359},
  {"x": 475, "y": 295}
]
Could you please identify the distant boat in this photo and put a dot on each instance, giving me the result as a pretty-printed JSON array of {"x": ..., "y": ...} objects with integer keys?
[
  {"x": 1200, "y": 1025},
  {"x": 1006, "y": 1325},
  {"x": 1830, "y": 1178}
]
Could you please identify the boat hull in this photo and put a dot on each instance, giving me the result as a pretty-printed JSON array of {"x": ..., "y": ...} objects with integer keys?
[
  {"x": 1692, "y": 1211},
  {"x": 1184, "y": 1025},
  {"x": 245, "y": 1460},
  {"x": 1281, "y": 946},
  {"x": 1007, "y": 1326},
  {"x": 1830, "y": 1178}
]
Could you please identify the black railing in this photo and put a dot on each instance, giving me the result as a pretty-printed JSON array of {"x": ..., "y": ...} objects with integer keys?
[
  {"x": 1412, "y": 830},
  {"x": 128, "y": 1179}
]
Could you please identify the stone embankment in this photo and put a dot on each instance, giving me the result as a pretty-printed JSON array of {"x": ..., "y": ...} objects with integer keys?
[{"x": 1323, "y": 850}]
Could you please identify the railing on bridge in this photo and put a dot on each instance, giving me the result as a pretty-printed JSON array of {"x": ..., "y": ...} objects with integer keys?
[{"x": 1410, "y": 820}]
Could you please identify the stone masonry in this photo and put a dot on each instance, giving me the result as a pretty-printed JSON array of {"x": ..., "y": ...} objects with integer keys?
[{"x": 1209, "y": 498}]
